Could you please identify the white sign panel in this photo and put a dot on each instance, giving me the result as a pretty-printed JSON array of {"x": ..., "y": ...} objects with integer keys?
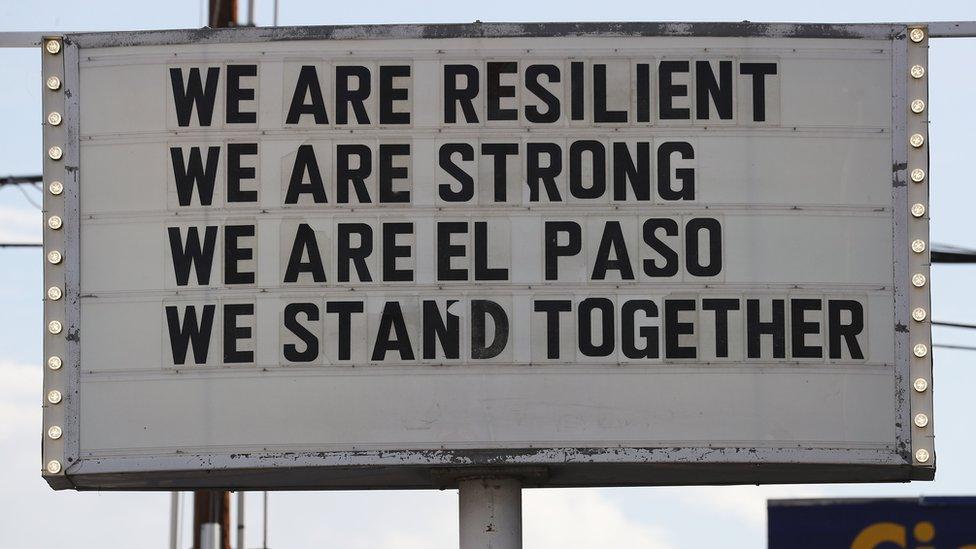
[{"x": 359, "y": 257}]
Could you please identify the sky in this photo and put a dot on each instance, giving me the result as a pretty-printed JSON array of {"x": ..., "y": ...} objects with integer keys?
[{"x": 32, "y": 515}]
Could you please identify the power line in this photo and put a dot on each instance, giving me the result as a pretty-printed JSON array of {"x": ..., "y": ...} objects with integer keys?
[
  {"x": 956, "y": 347},
  {"x": 942, "y": 253},
  {"x": 954, "y": 324},
  {"x": 28, "y": 197},
  {"x": 20, "y": 179}
]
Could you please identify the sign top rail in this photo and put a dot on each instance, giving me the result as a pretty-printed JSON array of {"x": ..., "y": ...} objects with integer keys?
[
  {"x": 875, "y": 31},
  {"x": 937, "y": 29}
]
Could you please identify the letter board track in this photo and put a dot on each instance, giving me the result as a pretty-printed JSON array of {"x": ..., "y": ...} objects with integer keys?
[{"x": 614, "y": 254}]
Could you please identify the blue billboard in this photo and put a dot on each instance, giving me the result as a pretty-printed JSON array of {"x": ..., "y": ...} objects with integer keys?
[{"x": 882, "y": 523}]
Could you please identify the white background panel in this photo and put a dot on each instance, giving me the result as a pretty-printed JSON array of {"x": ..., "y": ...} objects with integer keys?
[
  {"x": 473, "y": 409},
  {"x": 803, "y": 199}
]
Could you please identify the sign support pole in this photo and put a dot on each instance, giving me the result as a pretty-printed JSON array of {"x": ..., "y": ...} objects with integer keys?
[
  {"x": 174, "y": 520},
  {"x": 240, "y": 519},
  {"x": 490, "y": 512}
]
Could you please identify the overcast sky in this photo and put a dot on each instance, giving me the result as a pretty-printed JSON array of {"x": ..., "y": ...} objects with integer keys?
[{"x": 31, "y": 515}]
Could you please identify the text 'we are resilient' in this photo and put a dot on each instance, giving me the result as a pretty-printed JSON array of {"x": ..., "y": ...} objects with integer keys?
[{"x": 370, "y": 275}]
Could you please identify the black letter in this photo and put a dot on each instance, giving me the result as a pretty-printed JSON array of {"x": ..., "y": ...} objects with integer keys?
[
  {"x": 800, "y": 328},
  {"x": 554, "y": 250},
  {"x": 643, "y": 92},
  {"x": 308, "y": 83},
  {"x": 685, "y": 175},
  {"x": 673, "y": 328},
  {"x": 667, "y": 91},
  {"x": 613, "y": 239},
  {"x": 480, "y": 311},
  {"x": 706, "y": 86},
  {"x": 344, "y": 309},
  {"x": 576, "y": 90},
  {"x": 357, "y": 176},
  {"x": 465, "y": 96},
  {"x": 392, "y": 319},
  {"x": 481, "y": 269},
  {"x": 500, "y": 152},
  {"x": 389, "y": 94},
  {"x": 236, "y": 94},
  {"x": 496, "y": 91},
  {"x": 721, "y": 308},
  {"x": 639, "y": 173},
  {"x": 446, "y": 190},
  {"x": 389, "y": 172},
  {"x": 756, "y": 329},
  {"x": 670, "y": 256},
  {"x": 345, "y": 96},
  {"x": 714, "y": 230},
  {"x": 193, "y": 93},
  {"x": 600, "y": 112},
  {"x": 236, "y": 172},
  {"x": 290, "y": 350},
  {"x": 585, "y": 313},
  {"x": 191, "y": 254},
  {"x": 357, "y": 254},
  {"x": 194, "y": 174},
  {"x": 305, "y": 163},
  {"x": 598, "y": 155},
  {"x": 191, "y": 332},
  {"x": 446, "y": 250},
  {"x": 532, "y": 84},
  {"x": 848, "y": 331},
  {"x": 536, "y": 173},
  {"x": 233, "y": 254},
  {"x": 305, "y": 241},
  {"x": 233, "y": 333},
  {"x": 391, "y": 251},
  {"x": 435, "y": 330},
  {"x": 552, "y": 308},
  {"x": 649, "y": 333},
  {"x": 758, "y": 72}
]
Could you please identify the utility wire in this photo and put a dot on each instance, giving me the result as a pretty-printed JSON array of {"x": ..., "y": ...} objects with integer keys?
[
  {"x": 942, "y": 253},
  {"x": 28, "y": 197},
  {"x": 20, "y": 179},
  {"x": 956, "y": 347},
  {"x": 954, "y": 324}
]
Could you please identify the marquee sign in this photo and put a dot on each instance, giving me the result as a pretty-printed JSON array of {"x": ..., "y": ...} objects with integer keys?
[{"x": 346, "y": 257}]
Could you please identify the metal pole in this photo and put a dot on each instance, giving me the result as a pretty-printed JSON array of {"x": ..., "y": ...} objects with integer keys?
[
  {"x": 174, "y": 520},
  {"x": 264, "y": 540},
  {"x": 223, "y": 13},
  {"x": 211, "y": 507},
  {"x": 240, "y": 520},
  {"x": 490, "y": 512},
  {"x": 210, "y": 536}
]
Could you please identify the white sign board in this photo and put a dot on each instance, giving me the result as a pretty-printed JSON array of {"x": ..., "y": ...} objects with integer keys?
[{"x": 353, "y": 257}]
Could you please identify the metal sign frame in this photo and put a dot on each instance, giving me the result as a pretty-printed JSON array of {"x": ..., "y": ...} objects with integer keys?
[{"x": 65, "y": 467}]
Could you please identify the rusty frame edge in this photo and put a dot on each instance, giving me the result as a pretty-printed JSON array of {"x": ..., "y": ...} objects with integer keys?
[
  {"x": 937, "y": 29},
  {"x": 880, "y": 31}
]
